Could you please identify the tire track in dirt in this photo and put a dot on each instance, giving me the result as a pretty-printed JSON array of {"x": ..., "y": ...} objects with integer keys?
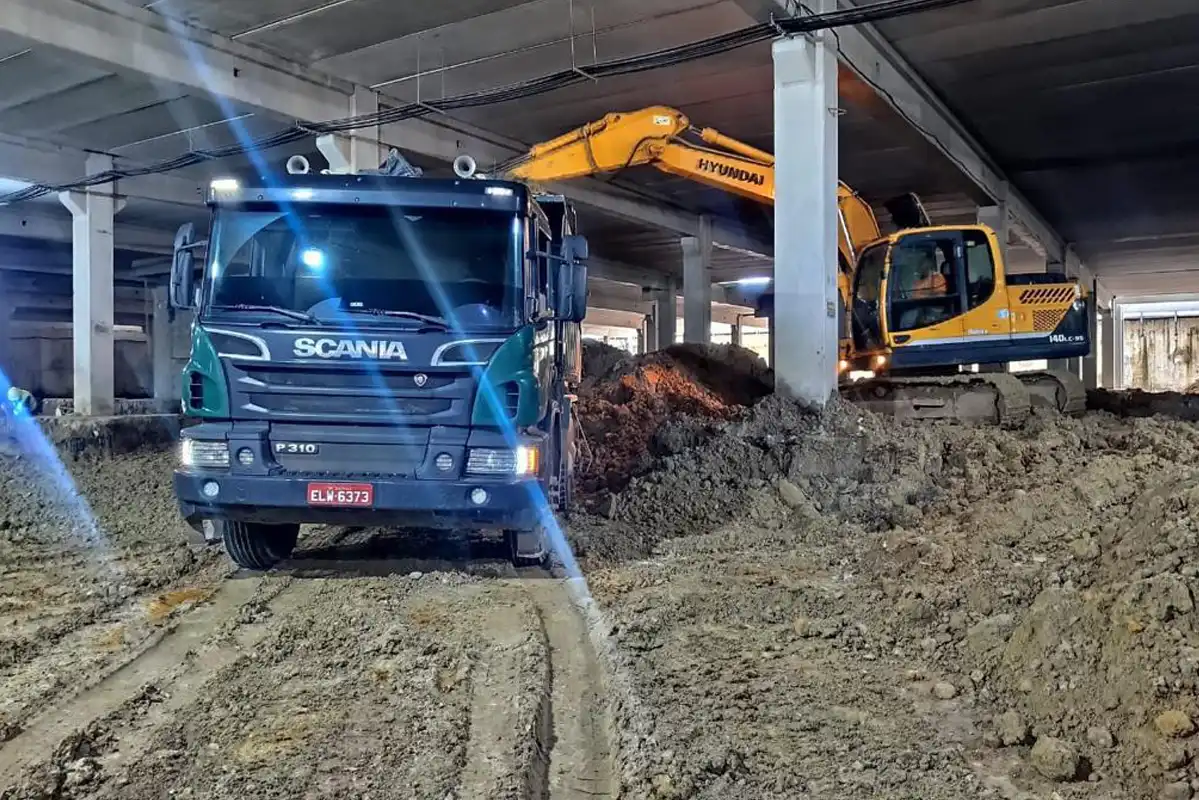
[
  {"x": 539, "y": 726},
  {"x": 582, "y": 758},
  {"x": 174, "y": 696},
  {"x": 507, "y": 749},
  {"x": 158, "y": 657}
]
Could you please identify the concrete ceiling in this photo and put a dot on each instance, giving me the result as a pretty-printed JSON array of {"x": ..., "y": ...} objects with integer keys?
[
  {"x": 1080, "y": 102},
  {"x": 1086, "y": 106},
  {"x": 454, "y": 47}
]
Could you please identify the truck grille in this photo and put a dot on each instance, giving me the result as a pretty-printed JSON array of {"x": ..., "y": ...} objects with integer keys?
[
  {"x": 346, "y": 378},
  {"x": 342, "y": 404}
]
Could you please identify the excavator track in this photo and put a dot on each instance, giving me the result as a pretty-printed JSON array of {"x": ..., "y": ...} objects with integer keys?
[
  {"x": 994, "y": 398},
  {"x": 1062, "y": 391}
]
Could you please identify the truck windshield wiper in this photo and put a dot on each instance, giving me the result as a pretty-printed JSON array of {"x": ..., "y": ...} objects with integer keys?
[
  {"x": 433, "y": 322},
  {"x": 286, "y": 312}
]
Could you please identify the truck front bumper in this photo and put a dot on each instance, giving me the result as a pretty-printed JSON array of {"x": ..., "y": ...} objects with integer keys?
[{"x": 408, "y": 502}]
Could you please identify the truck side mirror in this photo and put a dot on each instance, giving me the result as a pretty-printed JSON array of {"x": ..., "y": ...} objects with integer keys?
[
  {"x": 571, "y": 295},
  {"x": 183, "y": 268}
]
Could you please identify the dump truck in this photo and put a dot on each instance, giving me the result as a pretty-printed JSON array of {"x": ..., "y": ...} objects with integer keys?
[
  {"x": 917, "y": 308},
  {"x": 378, "y": 349}
]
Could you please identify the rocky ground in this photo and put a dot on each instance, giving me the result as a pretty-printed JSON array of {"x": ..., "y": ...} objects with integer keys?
[{"x": 776, "y": 605}]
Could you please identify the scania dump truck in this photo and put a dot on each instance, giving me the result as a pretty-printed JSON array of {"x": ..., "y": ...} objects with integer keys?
[{"x": 379, "y": 349}]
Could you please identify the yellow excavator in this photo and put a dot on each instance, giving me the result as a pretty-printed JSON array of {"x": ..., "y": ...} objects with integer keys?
[{"x": 919, "y": 306}]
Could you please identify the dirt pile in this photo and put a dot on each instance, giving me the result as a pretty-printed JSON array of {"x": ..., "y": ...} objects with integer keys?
[
  {"x": 623, "y": 410},
  {"x": 1017, "y": 607},
  {"x": 599, "y": 358},
  {"x": 1138, "y": 403}
]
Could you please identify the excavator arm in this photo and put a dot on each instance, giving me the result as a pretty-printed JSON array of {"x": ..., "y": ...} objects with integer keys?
[
  {"x": 654, "y": 137},
  {"x": 651, "y": 136}
]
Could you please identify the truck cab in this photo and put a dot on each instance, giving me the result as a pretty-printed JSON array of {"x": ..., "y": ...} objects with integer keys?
[{"x": 378, "y": 350}]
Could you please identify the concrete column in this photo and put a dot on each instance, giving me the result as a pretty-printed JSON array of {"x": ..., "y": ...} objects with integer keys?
[
  {"x": 995, "y": 217},
  {"x": 770, "y": 343},
  {"x": 649, "y": 333},
  {"x": 1062, "y": 364},
  {"x": 1108, "y": 352},
  {"x": 735, "y": 331},
  {"x": 92, "y": 215},
  {"x": 166, "y": 379},
  {"x": 7, "y": 346},
  {"x": 804, "y": 330},
  {"x": 666, "y": 316},
  {"x": 1090, "y": 364},
  {"x": 697, "y": 284}
]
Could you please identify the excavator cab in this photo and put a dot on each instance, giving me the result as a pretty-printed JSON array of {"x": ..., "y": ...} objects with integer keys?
[
  {"x": 931, "y": 298},
  {"x": 930, "y": 303}
]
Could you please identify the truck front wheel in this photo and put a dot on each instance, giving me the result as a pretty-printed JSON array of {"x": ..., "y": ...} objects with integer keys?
[
  {"x": 256, "y": 545},
  {"x": 528, "y": 548}
]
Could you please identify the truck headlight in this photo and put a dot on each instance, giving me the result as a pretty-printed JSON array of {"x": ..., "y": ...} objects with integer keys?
[
  {"x": 196, "y": 453},
  {"x": 524, "y": 460}
]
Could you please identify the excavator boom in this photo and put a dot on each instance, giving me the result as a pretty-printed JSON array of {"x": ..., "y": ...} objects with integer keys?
[{"x": 653, "y": 137}]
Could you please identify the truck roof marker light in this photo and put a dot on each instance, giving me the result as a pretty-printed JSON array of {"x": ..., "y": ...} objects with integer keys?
[{"x": 225, "y": 185}]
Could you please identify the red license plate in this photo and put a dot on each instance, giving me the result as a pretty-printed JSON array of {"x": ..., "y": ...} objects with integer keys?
[{"x": 353, "y": 495}]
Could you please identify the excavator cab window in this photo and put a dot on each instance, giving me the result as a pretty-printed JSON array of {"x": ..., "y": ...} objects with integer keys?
[
  {"x": 980, "y": 268},
  {"x": 925, "y": 280}
]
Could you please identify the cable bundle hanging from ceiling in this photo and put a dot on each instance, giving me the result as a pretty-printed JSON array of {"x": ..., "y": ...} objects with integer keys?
[{"x": 672, "y": 56}]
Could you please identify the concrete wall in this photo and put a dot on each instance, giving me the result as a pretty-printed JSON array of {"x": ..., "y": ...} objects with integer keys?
[
  {"x": 1161, "y": 354},
  {"x": 41, "y": 360}
]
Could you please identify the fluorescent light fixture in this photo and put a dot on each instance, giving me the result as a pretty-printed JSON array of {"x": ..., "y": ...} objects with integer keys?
[
  {"x": 499, "y": 191},
  {"x": 761, "y": 281},
  {"x": 225, "y": 185},
  {"x": 301, "y": 194}
]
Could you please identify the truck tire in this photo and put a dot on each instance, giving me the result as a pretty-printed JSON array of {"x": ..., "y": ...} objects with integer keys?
[{"x": 256, "y": 545}]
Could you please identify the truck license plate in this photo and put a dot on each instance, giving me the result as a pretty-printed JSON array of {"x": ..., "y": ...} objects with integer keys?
[{"x": 354, "y": 495}]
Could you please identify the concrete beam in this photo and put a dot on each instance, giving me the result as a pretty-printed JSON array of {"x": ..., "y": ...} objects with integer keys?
[
  {"x": 868, "y": 54},
  {"x": 619, "y": 272},
  {"x": 57, "y": 302},
  {"x": 43, "y": 221},
  {"x": 40, "y": 162},
  {"x": 100, "y": 32}
]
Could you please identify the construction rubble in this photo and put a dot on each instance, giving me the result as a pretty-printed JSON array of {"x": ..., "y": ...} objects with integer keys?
[{"x": 788, "y": 604}]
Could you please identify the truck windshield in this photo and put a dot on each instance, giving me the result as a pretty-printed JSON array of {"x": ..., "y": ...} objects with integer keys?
[{"x": 339, "y": 264}]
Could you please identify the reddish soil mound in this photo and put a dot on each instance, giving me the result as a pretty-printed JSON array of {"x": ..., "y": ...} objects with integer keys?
[{"x": 621, "y": 412}]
